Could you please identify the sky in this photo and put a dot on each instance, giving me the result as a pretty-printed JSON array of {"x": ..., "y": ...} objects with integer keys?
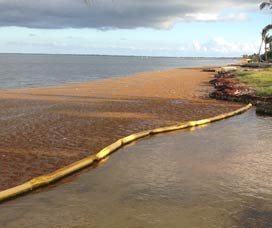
[{"x": 184, "y": 28}]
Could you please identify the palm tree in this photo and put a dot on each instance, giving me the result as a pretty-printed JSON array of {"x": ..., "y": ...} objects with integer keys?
[
  {"x": 263, "y": 5},
  {"x": 266, "y": 39},
  {"x": 267, "y": 45},
  {"x": 266, "y": 29},
  {"x": 267, "y": 4}
]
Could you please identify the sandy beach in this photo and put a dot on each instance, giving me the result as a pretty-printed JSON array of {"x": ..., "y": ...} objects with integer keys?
[{"x": 43, "y": 129}]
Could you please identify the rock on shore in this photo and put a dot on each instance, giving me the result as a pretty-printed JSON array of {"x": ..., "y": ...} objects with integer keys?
[{"x": 229, "y": 89}]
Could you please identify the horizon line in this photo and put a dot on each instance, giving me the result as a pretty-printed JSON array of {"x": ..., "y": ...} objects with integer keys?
[{"x": 112, "y": 55}]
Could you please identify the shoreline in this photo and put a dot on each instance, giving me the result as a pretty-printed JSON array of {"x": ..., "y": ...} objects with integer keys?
[
  {"x": 229, "y": 87},
  {"x": 44, "y": 129},
  {"x": 13, "y": 92},
  {"x": 104, "y": 79}
]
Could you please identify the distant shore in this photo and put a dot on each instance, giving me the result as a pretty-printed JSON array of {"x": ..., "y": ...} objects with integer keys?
[{"x": 42, "y": 129}]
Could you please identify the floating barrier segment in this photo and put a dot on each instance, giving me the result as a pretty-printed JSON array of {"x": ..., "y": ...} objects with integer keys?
[{"x": 79, "y": 165}]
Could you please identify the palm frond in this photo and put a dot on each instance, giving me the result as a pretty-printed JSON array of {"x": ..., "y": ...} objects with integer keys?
[
  {"x": 265, "y": 30},
  {"x": 265, "y": 4},
  {"x": 268, "y": 39}
]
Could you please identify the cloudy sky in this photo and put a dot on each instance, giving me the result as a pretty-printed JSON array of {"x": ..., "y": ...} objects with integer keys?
[{"x": 132, "y": 27}]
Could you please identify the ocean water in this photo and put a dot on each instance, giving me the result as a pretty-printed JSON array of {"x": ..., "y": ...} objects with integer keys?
[
  {"x": 218, "y": 176},
  {"x": 26, "y": 70}
]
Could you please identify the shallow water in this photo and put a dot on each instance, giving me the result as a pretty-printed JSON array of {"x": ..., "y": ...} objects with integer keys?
[
  {"x": 213, "y": 176},
  {"x": 28, "y": 70}
]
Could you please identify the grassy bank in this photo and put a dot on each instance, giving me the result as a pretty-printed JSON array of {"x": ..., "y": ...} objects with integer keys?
[{"x": 260, "y": 80}]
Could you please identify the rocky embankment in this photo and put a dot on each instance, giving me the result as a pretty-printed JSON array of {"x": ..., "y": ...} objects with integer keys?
[{"x": 229, "y": 89}]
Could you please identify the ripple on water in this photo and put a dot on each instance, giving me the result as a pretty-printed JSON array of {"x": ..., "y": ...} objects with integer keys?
[{"x": 217, "y": 176}]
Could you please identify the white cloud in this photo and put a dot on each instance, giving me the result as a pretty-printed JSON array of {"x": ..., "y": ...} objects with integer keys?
[
  {"x": 215, "y": 17},
  {"x": 202, "y": 16},
  {"x": 234, "y": 17},
  {"x": 218, "y": 46},
  {"x": 196, "y": 45}
]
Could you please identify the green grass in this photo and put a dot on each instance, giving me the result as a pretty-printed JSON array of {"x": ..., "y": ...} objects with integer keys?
[{"x": 260, "y": 80}]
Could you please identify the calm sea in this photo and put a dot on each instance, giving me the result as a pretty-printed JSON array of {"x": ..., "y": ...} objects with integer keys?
[{"x": 26, "y": 70}]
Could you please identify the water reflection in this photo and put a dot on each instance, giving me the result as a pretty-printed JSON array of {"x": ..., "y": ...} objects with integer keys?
[{"x": 217, "y": 176}]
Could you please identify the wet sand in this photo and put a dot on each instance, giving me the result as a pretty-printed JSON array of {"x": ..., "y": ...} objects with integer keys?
[{"x": 43, "y": 129}]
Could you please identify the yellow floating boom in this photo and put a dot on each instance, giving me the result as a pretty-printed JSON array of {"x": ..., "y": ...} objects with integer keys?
[{"x": 68, "y": 170}]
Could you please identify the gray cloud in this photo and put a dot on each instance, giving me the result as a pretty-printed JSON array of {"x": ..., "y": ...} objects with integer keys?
[{"x": 104, "y": 14}]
